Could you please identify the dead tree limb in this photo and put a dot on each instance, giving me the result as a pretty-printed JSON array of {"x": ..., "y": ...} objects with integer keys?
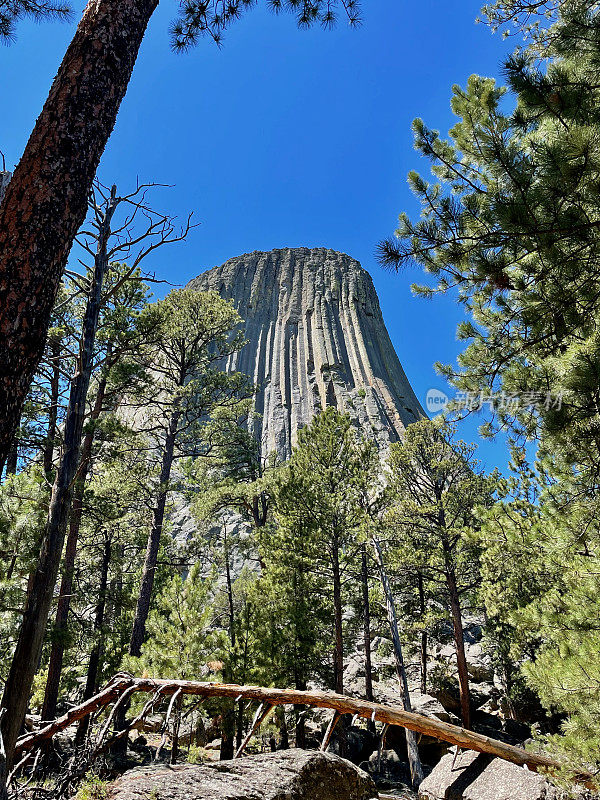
[
  {"x": 391, "y": 715},
  {"x": 330, "y": 728},
  {"x": 165, "y": 730},
  {"x": 261, "y": 714}
]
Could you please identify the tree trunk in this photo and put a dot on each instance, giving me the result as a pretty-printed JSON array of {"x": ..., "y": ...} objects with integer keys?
[
  {"x": 91, "y": 682},
  {"x": 66, "y": 586},
  {"x": 459, "y": 643},
  {"x": 229, "y": 591},
  {"x": 13, "y": 456},
  {"x": 142, "y": 609},
  {"x": 229, "y": 731},
  {"x": 26, "y": 657},
  {"x": 423, "y": 648},
  {"x": 299, "y": 720},
  {"x": 3, "y": 765},
  {"x": 227, "y": 751},
  {"x": 284, "y": 741},
  {"x": 46, "y": 200},
  {"x": 239, "y": 724},
  {"x": 338, "y": 646},
  {"x": 48, "y": 451},
  {"x": 416, "y": 769},
  {"x": 366, "y": 625}
]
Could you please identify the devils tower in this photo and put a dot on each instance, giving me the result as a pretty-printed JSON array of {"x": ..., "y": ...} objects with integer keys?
[{"x": 315, "y": 338}]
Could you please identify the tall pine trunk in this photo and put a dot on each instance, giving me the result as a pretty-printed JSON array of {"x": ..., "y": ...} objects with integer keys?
[
  {"x": 338, "y": 645},
  {"x": 91, "y": 682},
  {"x": 456, "y": 612},
  {"x": 27, "y": 653},
  {"x": 45, "y": 202},
  {"x": 459, "y": 645},
  {"x": 416, "y": 769},
  {"x": 66, "y": 586},
  {"x": 48, "y": 452},
  {"x": 229, "y": 730},
  {"x": 364, "y": 574},
  {"x": 142, "y": 609},
  {"x": 423, "y": 648}
]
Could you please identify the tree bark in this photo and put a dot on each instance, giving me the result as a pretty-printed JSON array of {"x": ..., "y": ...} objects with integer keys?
[
  {"x": 48, "y": 452},
  {"x": 142, "y": 609},
  {"x": 416, "y": 769},
  {"x": 13, "y": 456},
  {"x": 45, "y": 202},
  {"x": 455, "y": 610},
  {"x": 227, "y": 750},
  {"x": 66, "y": 587},
  {"x": 26, "y": 657}
]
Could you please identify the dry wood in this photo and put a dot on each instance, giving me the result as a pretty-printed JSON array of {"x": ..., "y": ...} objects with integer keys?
[
  {"x": 330, "y": 729},
  {"x": 163, "y": 740},
  {"x": 390, "y": 715},
  {"x": 261, "y": 714},
  {"x": 111, "y": 692}
]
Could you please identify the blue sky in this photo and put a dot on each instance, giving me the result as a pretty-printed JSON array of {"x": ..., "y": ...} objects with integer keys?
[{"x": 284, "y": 138}]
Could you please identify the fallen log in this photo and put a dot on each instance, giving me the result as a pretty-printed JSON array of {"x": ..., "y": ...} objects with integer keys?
[{"x": 389, "y": 715}]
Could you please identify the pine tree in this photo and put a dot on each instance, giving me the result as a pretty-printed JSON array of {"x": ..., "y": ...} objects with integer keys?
[
  {"x": 11, "y": 11},
  {"x": 511, "y": 224},
  {"x": 183, "y": 639},
  {"x": 195, "y": 333},
  {"x": 434, "y": 487},
  {"x": 322, "y": 489},
  {"x": 539, "y": 566}
]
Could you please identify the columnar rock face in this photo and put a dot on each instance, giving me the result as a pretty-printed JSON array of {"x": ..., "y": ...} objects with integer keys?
[{"x": 315, "y": 338}]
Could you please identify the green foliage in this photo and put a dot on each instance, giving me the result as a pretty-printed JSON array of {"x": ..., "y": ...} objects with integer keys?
[
  {"x": 321, "y": 497},
  {"x": 11, "y": 11},
  {"x": 292, "y": 609},
  {"x": 193, "y": 333},
  {"x": 540, "y": 583},
  {"x": 511, "y": 223},
  {"x": 182, "y": 640},
  {"x": 233, "y": 474},
  {"x": 434, "y": 486},
  {"x": 93, "y": 788},
  {"x": 212, "y": 17},
  {"x": 326, "y": 481},
  {"x": 23, "y": 508}
]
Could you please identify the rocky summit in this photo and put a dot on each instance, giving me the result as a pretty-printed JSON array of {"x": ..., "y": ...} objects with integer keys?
[{"x": 315, "y": 338}]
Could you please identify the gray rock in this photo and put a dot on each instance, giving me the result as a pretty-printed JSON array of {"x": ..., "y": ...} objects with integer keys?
[
  {"x": 430, "y": 707},
  {"x": 474, "y": 776},
  {"x": 389, "y": 767},
  {"x": 315, "y": 337},
  {"x": 285, "y": 775}
]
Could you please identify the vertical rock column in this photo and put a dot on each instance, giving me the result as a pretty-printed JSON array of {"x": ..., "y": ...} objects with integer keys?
[{"x": 315, "y": 337}]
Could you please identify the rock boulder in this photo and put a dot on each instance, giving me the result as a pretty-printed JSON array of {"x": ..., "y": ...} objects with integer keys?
[
  {"x": 286, "y": 775},
  {"x": 475, "y": 776}
]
